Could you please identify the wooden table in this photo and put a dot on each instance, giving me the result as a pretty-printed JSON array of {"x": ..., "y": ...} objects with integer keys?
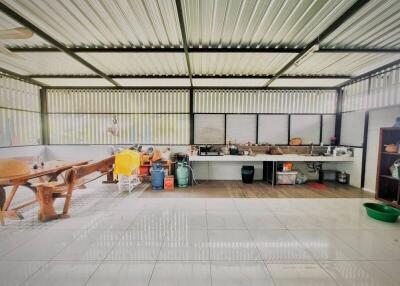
[{"x": 51, "y": 170}]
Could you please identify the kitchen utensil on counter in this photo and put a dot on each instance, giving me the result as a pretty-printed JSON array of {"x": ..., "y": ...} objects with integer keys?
[
  {"x": 295, "y": 142},
  {"x": 340, "y": 151},
  {"x": 209, "y": 150},
  {"x": 233, "y": 150},
  {"x": 225, "y": 150},
  {"x": 274, "y": 150}
]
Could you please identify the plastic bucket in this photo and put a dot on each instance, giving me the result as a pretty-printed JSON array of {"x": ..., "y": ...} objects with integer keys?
[{"x": 382, "y": 212}]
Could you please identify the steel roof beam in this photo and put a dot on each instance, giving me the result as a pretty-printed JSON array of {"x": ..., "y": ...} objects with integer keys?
[
  {"x": 184, "y": 39},
  {"x": 200, "y": 50},
  {"x": 194, "y": 76},
  {"x": 338, "y": 22},
  {"x": 21, "y": 77},
  {"x": 196, "y": 87},
  {"x": 24, "y": 22}
]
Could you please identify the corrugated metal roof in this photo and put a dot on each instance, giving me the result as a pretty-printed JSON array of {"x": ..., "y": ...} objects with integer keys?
[
  {"x": 74, "y": 81},
  {"x": 50, "y": 63},
  {"x": 238, "y": 63},
  {"x": 264, "y": 23},
  {"x": 103, "y": 22},
  {"x": 7, "y": 23},
  {"x": 351, "y": 64},
  {"x": 238, "y": 82},
  {"x": 376, "y": 25},
  {"x": 307, "y": 82},
  {"x": 138, "y": 63},
  {"x": 153, "y": 81}
]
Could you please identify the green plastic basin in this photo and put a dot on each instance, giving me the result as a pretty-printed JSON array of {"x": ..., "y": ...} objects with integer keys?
[{"x": 382, "y": 212}]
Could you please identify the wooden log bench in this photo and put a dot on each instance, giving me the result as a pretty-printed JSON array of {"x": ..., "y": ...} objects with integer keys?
[{"x": 75, "y": 178}]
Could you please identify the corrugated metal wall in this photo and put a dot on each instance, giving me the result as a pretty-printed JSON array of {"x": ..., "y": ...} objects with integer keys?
[
  {"x": 19, "y": 113},
  {"x": 264, "y": 101},
  {"x": 118, "y": 101},
  {"x": 144, "y": 116},
  {"x": 133, "y": 128},
  {"x": 18, "y": 94},
  {"x": 382, "y": 89}
]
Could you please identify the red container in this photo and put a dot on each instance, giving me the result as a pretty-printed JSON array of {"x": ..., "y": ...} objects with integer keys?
[
  {"x": 169, "y": 183},
  {"x": 144, "y": 170}
]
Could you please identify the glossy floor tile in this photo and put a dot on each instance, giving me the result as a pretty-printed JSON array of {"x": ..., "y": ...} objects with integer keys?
[
  {"x": 324, "y": 245},
  {"x": 122, "y": 274},
  {"x": 240, "y": 273},
  {"x": 116, "y": 238},
  {"x": 63, "y": 274},
  {"x": 299, "y": 275},
  {"x": 232, "y": 245},
  {"x": 279, "y": 246},
  {"x": 16, "y": 272},
  {"x": 357, "y": 273},
  {"x": 186, "y": 245},
  {"x": 390, "y": 269},
  {"x": 181, "y": 273}
]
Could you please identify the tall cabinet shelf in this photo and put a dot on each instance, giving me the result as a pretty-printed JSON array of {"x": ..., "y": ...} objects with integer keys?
[{"x": 387, "y": 186}]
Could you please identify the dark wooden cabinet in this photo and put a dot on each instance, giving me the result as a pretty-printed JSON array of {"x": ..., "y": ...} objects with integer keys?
[{"x": 387, "y": 186}]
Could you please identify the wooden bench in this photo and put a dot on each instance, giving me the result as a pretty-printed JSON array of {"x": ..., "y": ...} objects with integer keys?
[{"x": 75, "y": 177}]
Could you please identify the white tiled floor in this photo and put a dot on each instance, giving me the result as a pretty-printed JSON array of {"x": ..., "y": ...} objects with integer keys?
[{"x": 117, "y": 239}]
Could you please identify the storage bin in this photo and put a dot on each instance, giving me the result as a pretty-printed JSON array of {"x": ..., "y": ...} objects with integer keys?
[
  {"x": 286, "y": 178},
  {"x": 247, "y": 174}
]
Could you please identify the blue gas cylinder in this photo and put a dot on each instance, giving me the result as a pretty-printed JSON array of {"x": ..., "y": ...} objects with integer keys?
[{"x": 157, "y": 176}]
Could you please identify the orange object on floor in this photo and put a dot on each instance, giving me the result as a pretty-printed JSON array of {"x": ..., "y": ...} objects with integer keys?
[{"x": 169, "y": 183}]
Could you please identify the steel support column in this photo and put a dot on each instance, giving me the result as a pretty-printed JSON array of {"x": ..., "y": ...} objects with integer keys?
[{"x": 44, "y": 116}]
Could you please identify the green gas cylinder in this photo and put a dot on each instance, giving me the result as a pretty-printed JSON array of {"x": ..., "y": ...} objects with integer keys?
[{"x": 182, "y": 175}]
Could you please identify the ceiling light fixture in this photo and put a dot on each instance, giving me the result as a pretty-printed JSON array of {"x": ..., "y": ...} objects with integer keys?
[{"x": 307, "y": 55}]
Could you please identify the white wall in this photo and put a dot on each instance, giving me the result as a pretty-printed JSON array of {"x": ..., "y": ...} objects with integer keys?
[
  {"x": 352, "y": 129},
  {"x": 377, "y": 119},
  {"x": 23, "y": 151}
]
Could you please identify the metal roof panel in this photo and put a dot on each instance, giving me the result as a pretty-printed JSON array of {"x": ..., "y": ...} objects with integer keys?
[{"x": 103, "y": 22}]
